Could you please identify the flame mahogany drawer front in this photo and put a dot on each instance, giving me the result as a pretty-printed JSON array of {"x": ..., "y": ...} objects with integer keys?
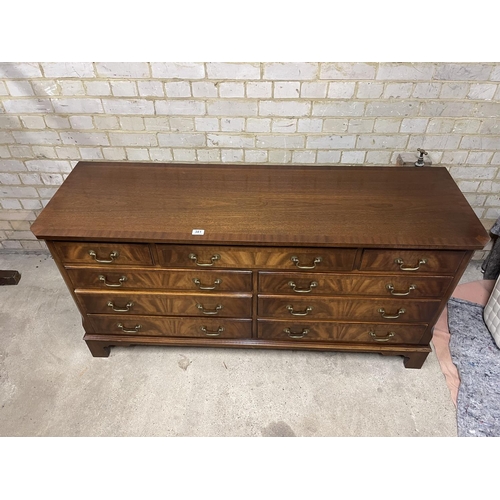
[
  {"x": 114, "y": 254},
  {"x": 284, "y": 257},
  {"x": 327, "y": 331},
  {"x": 158, "y": 279},
  {"x": 173, "y": 327},
  {"x": 352, "y": 284},
  {"x": 324, "y": 259},
  {"x": 347, "y": 308},
  {"x": 415, "y": 262},
  {"x": 168, "y": 304}
]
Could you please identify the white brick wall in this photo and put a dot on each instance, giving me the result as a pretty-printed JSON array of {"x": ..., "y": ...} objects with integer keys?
[
  {"x": 54, "y": 114},
  {"x": 68, "y": 70},
  {"x": 187, "y": 70},
  {"x": 290, "y": 71},
  {"x": 348, "y": 71},
  {"x": 341, "y": 90},
  {"x": 128, "y": 106},
  {"x": 123, "y": 70},
  {"x": 233, "y": 71},
  {"x": 232, "y": 89},
  {"x": 178, "y": 89},
  {"x": 77, "y": 106}
]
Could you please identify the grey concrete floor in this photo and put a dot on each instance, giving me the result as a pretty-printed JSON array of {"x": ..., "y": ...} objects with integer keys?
[{"x": 50, "y": 385}]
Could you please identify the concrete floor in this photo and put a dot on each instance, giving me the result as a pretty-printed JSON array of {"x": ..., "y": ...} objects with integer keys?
[{"x": 50, "y": 385}]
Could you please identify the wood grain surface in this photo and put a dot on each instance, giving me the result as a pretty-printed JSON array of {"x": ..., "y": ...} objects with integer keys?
[
  {"x": 173, "y": 304},
  {"x": 351, "y": 284},
  {"x": 328, "y": 259},
  {"x": 327, "y": 331},
  {"x": 116, "y": 254},
  {"x": 161, "y": 279},
  {"x": 347, "y": 309},
  {"x": 436, "y": 261},
  {"x": 172, "y": 326},
  {"x": 348, "y": 206}
]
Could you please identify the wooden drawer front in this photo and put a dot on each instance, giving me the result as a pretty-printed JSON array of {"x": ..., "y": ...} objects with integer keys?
[
  {"x": 412, "y": 261},
  {"x": 365, "y": 333},
  {"x": 255, "y": 258},
  {"x": 302, "y": 284},
  {"x": 194, "y": 280},
  {"x": 172, "y": 327},
  {"x": 110, "y": 254},
  {"x": 124, "y": 303},
  {"x": 347, "y": 309}
]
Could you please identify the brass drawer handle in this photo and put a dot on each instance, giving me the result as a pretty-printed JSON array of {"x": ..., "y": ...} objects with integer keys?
[
  {"x": 128, "y": 305},
  {"x": 401, "y": 263},
  {"x": 128, "y": 330},
  {"x": 112, "y": 285},
  {"x": 293, "y": 335},
  {"x": 306, "y": 311},
  {"x": 218, "y": 307},
  {"x": 197, "y": 282},
  {"x": 210, "y": 333},
  {"x": 295, "y": 260},
  {"x": 194, "y": 257},
  {"x": 389, "y": 336},
  {"x": 312, "y": 285},
  {"x": 112, "y": 256},
  {"x": 390, "y": 316},
  {"x": 390, "y": 287}
]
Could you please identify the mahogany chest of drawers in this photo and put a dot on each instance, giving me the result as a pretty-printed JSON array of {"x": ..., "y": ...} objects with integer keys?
[{"x": 359, "y": 259}]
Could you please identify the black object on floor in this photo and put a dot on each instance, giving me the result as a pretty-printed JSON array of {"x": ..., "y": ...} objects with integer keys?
[
  {"x": 491, "y": 265},
  {"x": 9, "y": 277}
]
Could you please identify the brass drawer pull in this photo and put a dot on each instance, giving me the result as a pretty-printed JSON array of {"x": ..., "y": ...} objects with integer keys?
[
  {"x": 312, "y": 285},
  {"x": 112, "y": 285},
  {"x": 197, "y": 282},
  {"x": 401, "y": 263},
  {"x": 306, "y": 311},
  {"x": 218, "y": 307},
  {"x": 293, "y": 335},
  {"x": 389, "y": 336},
  {"x": 128, "y": 330},
  {"x": 390, "y": 287},
  {"x": 128, "y": 305},
  {"x": 112, "y": 256},
  {"x": 295, "y": 260},
  {"x": 194, "y": 257},
  {"x": 210, "y": 333},
  {"x": 390, "y": 316}
]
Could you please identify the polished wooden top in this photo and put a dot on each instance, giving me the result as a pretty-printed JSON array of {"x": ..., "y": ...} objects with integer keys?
[{"x": 403, "y": 207}]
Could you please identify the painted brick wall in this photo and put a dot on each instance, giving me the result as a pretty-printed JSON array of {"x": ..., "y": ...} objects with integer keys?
[{"x": 54, "y": 114}]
